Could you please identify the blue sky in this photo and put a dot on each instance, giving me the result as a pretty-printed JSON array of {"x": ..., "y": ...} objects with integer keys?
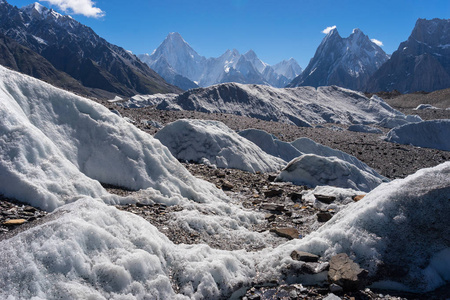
[{"x": 274, "y": 29}]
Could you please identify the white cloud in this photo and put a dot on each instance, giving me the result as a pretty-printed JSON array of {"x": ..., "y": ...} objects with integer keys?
[
  {"x": 377, "y": 42},
  {"x": 78, "y": 7},
  {"x": 328, "y": 29}
]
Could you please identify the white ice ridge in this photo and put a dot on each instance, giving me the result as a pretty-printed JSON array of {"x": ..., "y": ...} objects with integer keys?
[
  {"x": 400, "y": 225},
  {"x": 89, "y": 250},
  {"x": 313, "y": 170},
  {"x": 428, "y": 134},
  {"x": 213, "y": 143},
  {"x": 288, "y": 151},
  {"x": 54, "y": 146}
]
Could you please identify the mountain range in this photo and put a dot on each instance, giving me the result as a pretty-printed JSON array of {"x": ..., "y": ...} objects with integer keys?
[
  {"x": 77, "y": 50},
  {"x": 56, "y": 48},
  {"x": 177, "y": 62},
  {"x": 421, "y": 63},
  {"x": 345, "y": 62}
]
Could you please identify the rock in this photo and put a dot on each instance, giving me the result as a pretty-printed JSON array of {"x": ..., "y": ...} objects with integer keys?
[
  {"x": 226, "y": 185},
  {"x": 273, "y": 193},
  {"x": 219, "y": 173},
  {"x": 270, "y": 217},
  {"x": 304, "y": 256},
  {"x": 14, "y": 222},
  {"x": 334, "y": 288},
  {"x": 287, "y": 232},
  {"x": 271, "y": 177},
  {"x": 324, "y": 216},
  {"x": 324, "y": 198},
  {"x": 295, "y": 196},
  {"x": 358, "y": 197},
  {"x": 346, "y": 273},
  {"x": 273, "y": 207}
]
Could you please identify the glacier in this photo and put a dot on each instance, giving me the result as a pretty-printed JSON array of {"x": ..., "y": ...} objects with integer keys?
[{"x": 56, "y": 147}]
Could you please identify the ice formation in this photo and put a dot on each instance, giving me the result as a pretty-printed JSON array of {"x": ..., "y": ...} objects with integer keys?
[
  {"x": 56, "y": 145},
  {"x": 428, "y": 134},
  {"x": 313, "y": 170},
  {"x": 401, "y": 227},
  {"x": 213, "y": 143}
]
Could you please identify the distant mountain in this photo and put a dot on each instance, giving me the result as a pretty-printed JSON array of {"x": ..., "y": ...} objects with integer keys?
[
  {"x": 22, "y": 59},
  {"x": 345, "y": 62},
  {"x": 78, "y": 51},
  {"x": 176, "y": 57},
  {"x": 422, "y": 63}
]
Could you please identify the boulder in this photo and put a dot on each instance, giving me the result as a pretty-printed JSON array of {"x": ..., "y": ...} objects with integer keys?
[{"x": 346, "y": 273}]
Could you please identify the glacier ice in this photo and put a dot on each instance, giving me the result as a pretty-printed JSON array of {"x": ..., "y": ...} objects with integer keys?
[
  {"x": 428, "y": 134},
  {"x": 213, "y": 143}
]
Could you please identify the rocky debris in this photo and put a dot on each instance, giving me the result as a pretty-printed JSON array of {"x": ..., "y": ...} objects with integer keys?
[
  {"x": 14, "y": 222},
  {"x": 358, "y": 197},
  {"x": 14, "y": 214},
  {"x": 334, "y": 288},
  {"x": 272, "y": 193},
  {"x": 304, "y": 256},
  {"x": 386, "y": 158},
  {"x": 226, "y": 185},
  {"x": 324, "y": 216},
  {"x": 324, "y": 198},
  {"x": 346, "y": 273},
  {"x": 287, "y": 232}
]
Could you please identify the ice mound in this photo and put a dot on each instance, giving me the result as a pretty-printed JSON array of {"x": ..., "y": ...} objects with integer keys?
[
  {"x": 308, "y": 146},
  {"x": 213, "y": 143},
  {"x": 428, "y": 134},
  {"x": 399, "y": 232},
  {"x": 271, "y": 144},
  {"x": 313, "y": 170},
  {"x": 301, "y": 106},
  {"x": 88, "y": 250},
  {"x": 396, "y": 121},
  {"x": 56, "y": 145},
  {"x": 139, "y": 101},
  {"x": 425, "y": 106}
]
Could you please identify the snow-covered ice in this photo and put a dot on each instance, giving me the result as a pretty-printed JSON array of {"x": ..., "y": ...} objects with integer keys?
[
  {"x": 89, "y": 250},
  {"x": 313, "y": 170},
  {"x": 213, "y": 143},
  {"x": 56, "y": 146},
  {"x": 288, "y": 151},
  {"x": 401, "y": 226},
  {"x": 271, "y": 144},
  {"x": 395, "y": 121},
  {"x": 425, "y": 106},
  {"x": 139, "y": 101},
  {"x": 301, "y": 106},
  {"x": 308, "y": 146},
  {"x": 428, "y": 134}
]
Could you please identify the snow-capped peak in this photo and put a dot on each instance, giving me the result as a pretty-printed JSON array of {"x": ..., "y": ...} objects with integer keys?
[{"x": 38, "y": 10}]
